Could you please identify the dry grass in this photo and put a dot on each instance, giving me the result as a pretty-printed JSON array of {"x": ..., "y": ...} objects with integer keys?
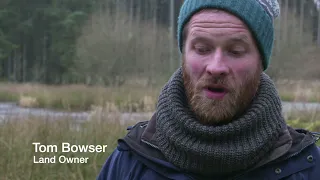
[
  {"x": 17, "y": 150},
  {"x": 309, "y": 119},
  {"x": 299, "y": 90},
  {"x": 80, "y": 97},
  {"x": 129, "y": 97},
  {"x": 27, "y": 101}
]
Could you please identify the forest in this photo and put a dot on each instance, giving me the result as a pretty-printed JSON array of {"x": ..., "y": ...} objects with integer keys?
[
  {"x": 107, "y": 41},
  {"x": 38, "y": 39}
]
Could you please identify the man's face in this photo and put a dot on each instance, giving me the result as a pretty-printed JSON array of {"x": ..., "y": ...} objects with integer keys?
[{"x": 221, "y": 66}]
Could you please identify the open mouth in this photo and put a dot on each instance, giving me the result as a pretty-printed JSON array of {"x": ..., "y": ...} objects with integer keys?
[{"x": 215, "y": 92}]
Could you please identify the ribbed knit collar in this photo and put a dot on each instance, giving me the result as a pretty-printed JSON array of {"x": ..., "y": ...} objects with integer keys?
[{"x": 217, "y": 150}]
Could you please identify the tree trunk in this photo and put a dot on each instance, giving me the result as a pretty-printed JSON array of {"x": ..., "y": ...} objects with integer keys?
[
  {"x": 138, "y": 12},
  {"x": 294, "y": 6},
  {"x": 117, "y": 17},
  {"x": 9, "y": 67},
  {"x": 301, "y": 21},
  {"x": 318, "y": 37},
  {"x": 155, "y": 7},
  {"x": 24, "y": 62},
  {"x": 285, "y": 29},
  {"x": 131, "y": 14},
  {"x": 278, "y": 32},
  {"x": 44, "y": 58},
  {"x": 154, "y": 45},
  {"x": 14, "y": 65}
]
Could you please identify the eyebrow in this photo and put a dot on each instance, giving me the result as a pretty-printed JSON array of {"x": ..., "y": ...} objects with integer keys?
[
  {"x": 201, "y": 39},
  {"x": 242, "y": 38}
]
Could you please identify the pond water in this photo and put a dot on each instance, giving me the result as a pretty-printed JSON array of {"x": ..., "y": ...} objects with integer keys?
[{"x": 8, "y": 110}]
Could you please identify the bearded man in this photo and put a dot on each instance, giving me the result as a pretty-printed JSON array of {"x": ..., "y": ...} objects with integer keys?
[{"x": 220, "y": 115}]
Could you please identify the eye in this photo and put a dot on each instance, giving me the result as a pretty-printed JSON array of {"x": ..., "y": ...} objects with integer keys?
[
  {"x": 202, "y": 50},
  {"x": 237, "y": 52}
]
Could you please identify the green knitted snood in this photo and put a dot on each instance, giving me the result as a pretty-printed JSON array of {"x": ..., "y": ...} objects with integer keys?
[{"x": 217, "y": 150}]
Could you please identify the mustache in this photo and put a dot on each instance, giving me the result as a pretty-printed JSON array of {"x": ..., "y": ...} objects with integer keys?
[{"x": 220, "y": 81}]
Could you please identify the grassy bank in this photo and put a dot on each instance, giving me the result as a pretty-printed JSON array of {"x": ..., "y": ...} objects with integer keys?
[
  {"x": 304, "y": 91},
  {"x": 133, "y": 98},
  {"x": 305, "y": 119},
  {"x": 80, "y": 97},
  {"x": 309, "y": 120},
  {"x": 17, "y": 151}
]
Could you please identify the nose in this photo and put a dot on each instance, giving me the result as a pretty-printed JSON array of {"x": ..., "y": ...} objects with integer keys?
[{"x": 216, "y": 65}]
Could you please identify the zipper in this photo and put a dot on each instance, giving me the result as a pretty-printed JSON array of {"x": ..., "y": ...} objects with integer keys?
[
  {"x": 152, "y": 145},
  {"x": 316, "y": 135},
  {"x": 146, "y": 142}
]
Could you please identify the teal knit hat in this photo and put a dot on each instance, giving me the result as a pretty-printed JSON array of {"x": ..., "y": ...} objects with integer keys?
[{"x": 258, "y": 15}]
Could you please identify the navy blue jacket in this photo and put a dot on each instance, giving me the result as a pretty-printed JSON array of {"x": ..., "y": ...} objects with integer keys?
[{"x": 137, "y": 159}]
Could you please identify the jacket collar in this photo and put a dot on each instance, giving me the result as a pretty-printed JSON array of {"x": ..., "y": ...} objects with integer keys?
[{"x": 148, "y": 136}]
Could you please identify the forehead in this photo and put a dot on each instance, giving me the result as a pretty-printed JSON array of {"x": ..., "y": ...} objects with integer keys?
[
  {"x": 215, "y": 15},
  {"x": 217, "y": 20}
]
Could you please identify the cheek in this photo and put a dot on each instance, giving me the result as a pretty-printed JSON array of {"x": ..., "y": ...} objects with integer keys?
[
  {"x": 195, "y": 68},
  {"x": 243, "y": 70}
]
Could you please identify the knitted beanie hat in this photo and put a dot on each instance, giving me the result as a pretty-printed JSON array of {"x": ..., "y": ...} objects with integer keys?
[{"x": 258, "y": 15}]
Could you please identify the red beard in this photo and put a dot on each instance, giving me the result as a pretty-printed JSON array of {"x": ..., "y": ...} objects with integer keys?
[{"x": 213, "y": 112}]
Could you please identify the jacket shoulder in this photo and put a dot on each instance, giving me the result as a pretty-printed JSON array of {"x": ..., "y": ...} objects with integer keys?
[
  {"x": 307, "y": 165},
  {"x": 111, "y": 168},
  {"x": 125, "y": 164},
  {"x": 304, "y": 165},
  {"x": 120, "y": 163}
]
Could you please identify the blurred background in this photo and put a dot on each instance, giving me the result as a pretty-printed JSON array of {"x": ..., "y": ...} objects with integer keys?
[
  {"x": 112, "y": 41},
  {"x": 80, "y": 71}
]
